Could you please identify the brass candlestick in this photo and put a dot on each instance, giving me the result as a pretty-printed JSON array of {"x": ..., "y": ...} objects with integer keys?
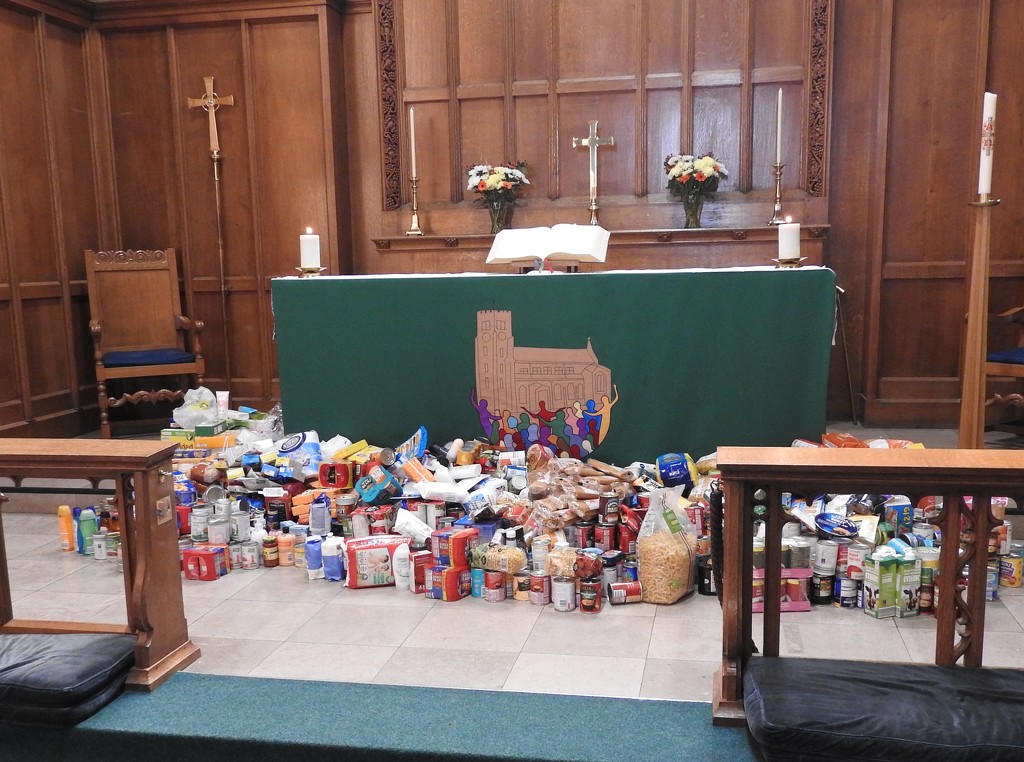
[
  {"x": 310, "y": 272},
  {"x": 414, "y": 228},
  {"x": 777, "y": 218}
]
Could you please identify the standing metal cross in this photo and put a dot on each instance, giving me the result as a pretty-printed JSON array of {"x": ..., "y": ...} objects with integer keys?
[
  {"x": 211, "y": 103},
  {"x": 593, "y": 142}
]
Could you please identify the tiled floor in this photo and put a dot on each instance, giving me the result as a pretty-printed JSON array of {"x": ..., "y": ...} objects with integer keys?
[{"x": 277, "y": 623}]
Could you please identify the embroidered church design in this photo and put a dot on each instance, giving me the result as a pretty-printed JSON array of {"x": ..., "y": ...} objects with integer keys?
[{"x": 561, "y": 398}]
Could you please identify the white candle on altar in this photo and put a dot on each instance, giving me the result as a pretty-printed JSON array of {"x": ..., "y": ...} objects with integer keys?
[
  {"x": 412, "y": 139},
  {"x": 309, "y": 250},
  {"x": 789, "y": 241},
  {"x": 988, "y": 136},
  {"x": 778, "y": 129}
]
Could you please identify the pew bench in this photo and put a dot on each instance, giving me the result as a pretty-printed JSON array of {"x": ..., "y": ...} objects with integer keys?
[{"x": 804, "y": 710}]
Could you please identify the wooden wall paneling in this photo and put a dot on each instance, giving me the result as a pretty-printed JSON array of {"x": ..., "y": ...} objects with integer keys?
[
  {"x": 28, "y": 223},
  {"x": 340, "y": 187},
  {"x": 926, "y": 216},
  {"x": 145, "y": 171},
  {"x": 533, "y": 140},
  {"x": 199, "y": 51},
  {"x": 616, "y": 164}
]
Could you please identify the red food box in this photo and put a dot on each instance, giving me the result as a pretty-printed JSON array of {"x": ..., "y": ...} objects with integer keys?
[
  {"x": 448, "y": 583},
  {"x": 450, "y": 547},
  {"x": 205, "y": 563},
  {"x": 420, "y": 562}
]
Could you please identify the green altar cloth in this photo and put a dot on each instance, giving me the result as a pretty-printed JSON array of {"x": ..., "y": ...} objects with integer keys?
[{"x": 626, "y": 365}]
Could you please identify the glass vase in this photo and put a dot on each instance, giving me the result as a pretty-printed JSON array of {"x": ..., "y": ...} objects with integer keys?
[
  {"x": 499, "y": 209},
  {"x": 693, "y": 206}
]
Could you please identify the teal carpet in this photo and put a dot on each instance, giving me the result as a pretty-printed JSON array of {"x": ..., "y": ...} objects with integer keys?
[{"x": 197, "y": 717}]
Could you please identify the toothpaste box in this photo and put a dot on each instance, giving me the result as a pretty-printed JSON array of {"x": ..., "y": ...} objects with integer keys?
[{"x": 880, "y": 599}]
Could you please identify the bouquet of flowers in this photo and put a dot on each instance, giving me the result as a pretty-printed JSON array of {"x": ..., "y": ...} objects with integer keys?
[
  {"x": 690, "y": 176},
  {"x": 497, "y": 184}
]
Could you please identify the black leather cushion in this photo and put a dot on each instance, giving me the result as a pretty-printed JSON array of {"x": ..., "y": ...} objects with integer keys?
[
  {"x": 808, "y": 710},
  {"x": 61, "y": 679}
]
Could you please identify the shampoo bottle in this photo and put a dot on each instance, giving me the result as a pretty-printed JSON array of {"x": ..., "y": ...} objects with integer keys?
[{"x": 67, "y": 528}]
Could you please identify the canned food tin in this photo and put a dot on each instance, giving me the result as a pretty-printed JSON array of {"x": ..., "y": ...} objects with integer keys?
[
  {"x": 704, "y": 545},
  {"x": 113, "y": 544},
  {"x": 99, "y": 547},
  {"x": 1011, "y": 570},
  {"x": 218, "y": 531},
  {"x": 590, "y": 595},
  {"x": 856, "y": 554},
  {"x": 826, "y": 555},
  {"x": 705, "y": 577},
  {"x": 800, "y": 552},
  {"x": 624, "y": 592},
  {"x": 631, "y": 570},
  {"x": 521, "y": 586},
  {"x": 235, "y": 555},
  {"x": 494, "y": 586},
  {"x": 585, "y": 534},
  {"x": 992, "y": 582},
  {"x": 844, "y": 592},
  {"x": 476, "y": 582},
  {"x": 627, "y": 539},
  {"x": 250, "y": 555},
  {"x": 604, "y": 535},
  {"x": 758, "y": 553},
  {"x": 821, "y": 589},
  {"x": 540, "y": 588},
  {"x": 199, "y": 521},
  {"x": 608, "y": 507},
  {"x": 563, "y": 593},
  {"x": 240, "y": 526}
]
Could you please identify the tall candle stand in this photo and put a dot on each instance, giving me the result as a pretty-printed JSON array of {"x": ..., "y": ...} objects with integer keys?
[
  {"x": 310, "y": 272},
  {"x": 414, "y": 228},
  {"x": 777, "y": 218},
  {"x": 972, "y": 391}
]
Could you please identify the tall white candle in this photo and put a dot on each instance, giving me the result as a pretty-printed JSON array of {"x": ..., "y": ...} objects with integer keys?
[
  {"x": 412, "y": 139},
  {"x": 778, "y": 129},
  {"x": 988, "y": 139},
  {"x": 789, "y": 241},
  {"x": 309, "y": 250}
]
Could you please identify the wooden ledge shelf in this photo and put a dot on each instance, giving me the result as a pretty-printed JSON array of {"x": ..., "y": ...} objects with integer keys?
[{"x": 619, "y": 238}]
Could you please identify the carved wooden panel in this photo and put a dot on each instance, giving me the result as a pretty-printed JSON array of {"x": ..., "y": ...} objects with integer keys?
[{"x": 497, "y": 80}]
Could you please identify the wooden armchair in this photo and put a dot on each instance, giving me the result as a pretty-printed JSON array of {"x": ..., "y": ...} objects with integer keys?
[{"x": 138, "y": 329}]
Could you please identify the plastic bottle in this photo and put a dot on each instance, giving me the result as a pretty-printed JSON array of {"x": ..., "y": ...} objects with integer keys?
[
  {"x": 401, "y": 564},
  {"x": 86, "y": 529},
  {"x": 259, "y": 531},
  {"x": 67, "y": 528}
]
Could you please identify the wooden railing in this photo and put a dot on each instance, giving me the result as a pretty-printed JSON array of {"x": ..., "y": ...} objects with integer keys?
[
  {"x": 760, "y": 475},
  {"x": 149, "y": 541}
]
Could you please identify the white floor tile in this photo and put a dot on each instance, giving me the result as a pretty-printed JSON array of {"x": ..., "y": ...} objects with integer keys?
[
  {"x": 324, "y": 661},
  {"x": 685, "y": 639},
  {"x": 69, "y": 607},
  {"x": 849, "y": 641},
  {"x": 283, "y": 584},
  {"x": 383, "y": 596},
  {"x": 447, "y": 668},
  {"x": 573, "y": 632},
  {"x": 678, "y": 679},
  {"x": 586, "y": 675},
  {"x": 230, "y": 656},
  {"x": 360, "y": 625},
  {"x": 237, "y": 619},
  {"x": 476, "y": 624}
]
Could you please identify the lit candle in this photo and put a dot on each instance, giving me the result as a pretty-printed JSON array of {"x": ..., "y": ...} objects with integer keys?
[
  {"x": 309, "y": 250},
  {"x": 778, "y": 129},
  {"x": 988, "y": 139},
  {"x": 789, "y": 241},
  {"x": 412, "y": 139}
]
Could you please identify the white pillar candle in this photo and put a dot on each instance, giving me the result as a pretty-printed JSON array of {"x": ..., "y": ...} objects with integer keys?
[
  {"x": 309, "y": 250},
  {"x": 412, "y": 140},
  {"x": 778, "y": 129},
  {"x": 988, "y": 137},
  {"x": 789, "y": 241}
]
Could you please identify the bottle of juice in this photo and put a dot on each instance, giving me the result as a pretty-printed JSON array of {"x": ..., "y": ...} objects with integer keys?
[{"x": 67, "y": 528}]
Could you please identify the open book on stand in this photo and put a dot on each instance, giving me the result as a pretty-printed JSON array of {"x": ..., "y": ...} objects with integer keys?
[{"x": 580, "y": 243}]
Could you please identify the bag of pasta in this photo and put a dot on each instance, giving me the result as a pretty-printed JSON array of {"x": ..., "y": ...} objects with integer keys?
[{"x": 666, "y": 549}]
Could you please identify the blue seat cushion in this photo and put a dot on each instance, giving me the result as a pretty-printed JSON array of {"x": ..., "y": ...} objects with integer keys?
[
  {"x": 812, "y": 710},
  {"x": 169, "y": 356},
  {"x": 1013, "y": 356},
  {"x": 61, "y": 679}
]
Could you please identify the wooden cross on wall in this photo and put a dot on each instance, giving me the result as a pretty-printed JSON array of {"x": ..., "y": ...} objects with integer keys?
[
  {"x": 211, "y": 102},
  {"x": 593, "y": 142}
]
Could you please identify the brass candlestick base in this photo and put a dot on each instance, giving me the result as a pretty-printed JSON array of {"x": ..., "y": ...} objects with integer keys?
[
  {"x": 310, "y": 272},
  {"x": 777, "y": 218},
  {"x": 414, "y": 228},
  {"x": 785, "y": 263}
]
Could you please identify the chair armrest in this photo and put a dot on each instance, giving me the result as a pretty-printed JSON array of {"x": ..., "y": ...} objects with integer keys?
[
  {"x": 193, "y": 327},
  {"x": 96, "y": 329},
  {"x": 1013, "y": 315}
]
